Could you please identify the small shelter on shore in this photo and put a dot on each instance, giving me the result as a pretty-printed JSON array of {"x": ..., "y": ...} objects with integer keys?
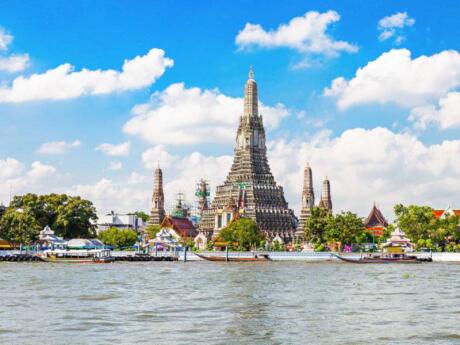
[
  {"x": 166, "y": 239},
  {"x": 399, "y": 240},
  {"x": 48, "y": 239}
]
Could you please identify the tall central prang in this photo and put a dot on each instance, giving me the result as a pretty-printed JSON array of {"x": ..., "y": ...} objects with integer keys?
[{"x": 250, "y": 189}]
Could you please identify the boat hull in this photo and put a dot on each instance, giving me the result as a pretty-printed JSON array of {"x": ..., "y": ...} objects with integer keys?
[
  {"x": 380, "y": 260},
  {"x": 262, "y": 258},
  {"x": 78, "y": 260}
]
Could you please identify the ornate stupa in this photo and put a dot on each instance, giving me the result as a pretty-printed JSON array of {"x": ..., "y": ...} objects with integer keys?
[
  {"x": 157, "y": 212},
  {"x": 326, "y": 199},
  {"x": 308, "y": 198},
  {"x": 250, "y": 188},
  {"x": 202, "y": 193}
]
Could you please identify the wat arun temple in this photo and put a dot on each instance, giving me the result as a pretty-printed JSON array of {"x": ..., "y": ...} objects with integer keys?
[{"x": 250, "y": 190}]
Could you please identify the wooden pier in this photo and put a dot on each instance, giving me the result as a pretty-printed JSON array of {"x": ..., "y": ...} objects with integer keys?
[
  {"x": 119, "y": 256},
  {"x": 19, "y": 258}
]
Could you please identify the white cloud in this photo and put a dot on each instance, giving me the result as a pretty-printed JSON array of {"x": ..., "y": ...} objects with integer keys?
[
  {"x": 57, "y": 147},
  {"x": 114, "y": 166},
  {"x": 16, "y": 179},
  {"x": 445, "y": 115},
  {"x": 115, "y": 150},
  {"x": 10, "y": 167},
  {"x": 12, "y": 63},
  {"x": 108, "y": 195},
  {"x": 63, "y": 82},
  {"x": 40, "y": 170},
  {"x": 5, "y": 39},
  {"x": 394, "y": 77},
  {"x": 186, "y": 171},
  {"x": 179, "y": 116},
  {"x": 426, "y": 174},
  {"x": 135, "y": 192},
  {"x": 391, "y": 26},
  {"x": 427, "y": 86},
  {"x": 136, "y": 178},
  {"x": 306, "y": 34},
  {"x": 158, "y": 156},
  {"x": 394, "y": 168}
]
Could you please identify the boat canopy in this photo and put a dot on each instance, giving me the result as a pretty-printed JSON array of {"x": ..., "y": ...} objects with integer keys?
[{"x": 81, "y": 243}]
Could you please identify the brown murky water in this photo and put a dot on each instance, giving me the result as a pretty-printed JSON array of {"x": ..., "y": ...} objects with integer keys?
[{"x": 212, "y": 303}]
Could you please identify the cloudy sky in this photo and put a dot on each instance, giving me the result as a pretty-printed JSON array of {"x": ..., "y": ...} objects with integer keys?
[{"x": 94, "y": 94}]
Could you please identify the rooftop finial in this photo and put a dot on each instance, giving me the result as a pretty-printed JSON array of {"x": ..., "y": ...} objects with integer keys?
[{"x": 251, "y": 73}]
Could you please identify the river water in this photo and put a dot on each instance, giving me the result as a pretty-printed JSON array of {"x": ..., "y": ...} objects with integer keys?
[{"x": 229, "y": 303}]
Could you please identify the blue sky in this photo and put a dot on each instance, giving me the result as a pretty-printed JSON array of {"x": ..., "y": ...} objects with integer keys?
[{"x": 383, "y": 146}]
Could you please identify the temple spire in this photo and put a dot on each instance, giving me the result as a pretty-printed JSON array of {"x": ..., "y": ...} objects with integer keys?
[
  {"x": 308, "y": 199},
  {"x": 250, "y": 190},
  {"x": 251, "y": 98},
  {"x": 326, "y": 199},
  {"x": 157, "y": 211}
]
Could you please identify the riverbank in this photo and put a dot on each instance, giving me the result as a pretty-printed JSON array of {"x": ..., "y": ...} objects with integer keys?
[
  {"x": 274, "y": 256},
  {"x": 318, "y": 256}
]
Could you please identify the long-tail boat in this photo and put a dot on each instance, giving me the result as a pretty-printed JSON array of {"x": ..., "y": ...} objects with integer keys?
[
  {"x": 93, "y": 256},
  {"x": 226, "y": 258},
  {"x": 382, "y": 260},
  {"x": 391, "y": 254}
]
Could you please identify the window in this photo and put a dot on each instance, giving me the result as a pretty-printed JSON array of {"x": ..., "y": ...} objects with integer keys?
[
  {"x": 229, "y": 218},
  {"x": 219, "y": 221}
]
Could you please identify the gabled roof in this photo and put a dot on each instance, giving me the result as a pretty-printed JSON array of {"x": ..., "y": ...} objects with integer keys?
[
  {"x": 177, "y": 223},
  {"x": 448, "y": 211},
  {"x": 375, "y": 218},
  {"x": 438, "y": 213}
]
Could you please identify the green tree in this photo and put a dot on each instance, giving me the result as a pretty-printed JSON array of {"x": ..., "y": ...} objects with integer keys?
[
  {"x": 447, "y": 231},
  {"x": 76, "y": 218},
  {"x": 118, "y": 237},
  {"x": 243, "y": 231},
  {"x": 276, "y": 246},
  {"x": 68, "y": 216},
  {"x": 346, "y": 228},
  {"x": 142, "y": 215},
  {"x": 18, "y": 226},
  {"x": 316, "y": 225},
  {"x": 152, "y": 230},
  {"x": 418, "y": 222}
]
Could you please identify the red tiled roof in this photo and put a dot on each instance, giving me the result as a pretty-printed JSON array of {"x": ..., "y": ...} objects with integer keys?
[
  {"x": 182, "y": 223},
  {"x": 183, "y": 226},
  {"x": 439, "y": 213}
]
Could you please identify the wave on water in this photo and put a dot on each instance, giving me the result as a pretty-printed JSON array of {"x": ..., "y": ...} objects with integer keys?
[{"x": 97, "y": 297}]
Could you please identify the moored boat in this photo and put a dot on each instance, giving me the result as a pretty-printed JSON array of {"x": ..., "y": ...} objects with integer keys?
[
  {"x": 382, "y": 260},
  {"x": 225, "y": 258},
  {"x": 394, "y": 251},
  {"x": 91, "y": 256}
]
